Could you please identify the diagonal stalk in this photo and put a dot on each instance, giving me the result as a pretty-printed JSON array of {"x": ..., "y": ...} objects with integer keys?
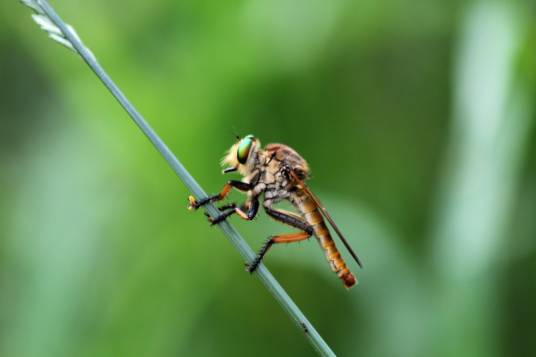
[{"x": 68, "y": 37}]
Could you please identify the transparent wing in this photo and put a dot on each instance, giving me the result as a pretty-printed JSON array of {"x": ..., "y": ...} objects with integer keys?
[{"x": 326, "y": 214}]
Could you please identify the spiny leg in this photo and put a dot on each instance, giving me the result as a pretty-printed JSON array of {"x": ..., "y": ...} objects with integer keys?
[
  {"x": 227, "y": 206},
  {"x": 282, "y": 238},
  {"x": 222, "y": 216},
  {"x": 290, "y": 218},
  {"x": 239, "y": 185},
  {"x": 252, "y": 208},
  {"x": 287, "y": 217},
  {"x": 225, "y": 211}
]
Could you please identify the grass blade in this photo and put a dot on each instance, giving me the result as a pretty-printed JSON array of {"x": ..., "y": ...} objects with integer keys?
[{"x": 48, "y": 20}]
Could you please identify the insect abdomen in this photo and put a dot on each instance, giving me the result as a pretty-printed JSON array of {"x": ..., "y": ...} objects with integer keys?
[{"x": 313, "y": 216}]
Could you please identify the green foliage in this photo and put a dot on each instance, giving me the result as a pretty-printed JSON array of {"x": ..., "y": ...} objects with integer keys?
[{"x": 99, "y": 257}]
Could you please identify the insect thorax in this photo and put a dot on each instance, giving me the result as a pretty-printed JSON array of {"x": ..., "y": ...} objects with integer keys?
[{"x": 273, "y": 168}]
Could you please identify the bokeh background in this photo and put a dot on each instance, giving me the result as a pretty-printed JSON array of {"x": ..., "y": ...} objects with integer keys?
[{"x": 417, "y": 119}]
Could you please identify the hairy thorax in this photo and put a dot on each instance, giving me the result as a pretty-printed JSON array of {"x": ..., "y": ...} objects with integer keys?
[
  {"x": 276, "y": 181},
  {"x": 273, "y": 166}
]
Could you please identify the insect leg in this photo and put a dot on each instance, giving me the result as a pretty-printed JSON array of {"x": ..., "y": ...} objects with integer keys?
[
  {"x": 289, "y": 218},
  {"x": 239, "y": 185},
  {"x": 226, "y": 211},
  {"x": 282, "y": 238},
  {"x": 222, "y": 216},
  {"x": 253, "y": 208},
  {"x": 227, "y": 206}
]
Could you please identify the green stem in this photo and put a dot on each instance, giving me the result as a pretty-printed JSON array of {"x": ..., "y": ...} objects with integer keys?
[{"x": 245, "y": 251}]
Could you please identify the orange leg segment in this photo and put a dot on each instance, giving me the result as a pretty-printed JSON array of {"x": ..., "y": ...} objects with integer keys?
[
  {"x": 282, "y": 238},
  {"x": 290, "y": 237},
  {"x": 239, "y": 185}
]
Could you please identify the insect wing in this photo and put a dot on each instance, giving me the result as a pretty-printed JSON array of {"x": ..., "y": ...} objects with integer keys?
[{"x": 331, "y": 222}]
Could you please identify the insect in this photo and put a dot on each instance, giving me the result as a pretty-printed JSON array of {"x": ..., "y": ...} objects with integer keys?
[{"x": 273, "y": 174}]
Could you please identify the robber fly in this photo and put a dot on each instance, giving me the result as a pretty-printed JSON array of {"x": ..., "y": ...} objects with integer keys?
[{"x": 277, "y": 173}]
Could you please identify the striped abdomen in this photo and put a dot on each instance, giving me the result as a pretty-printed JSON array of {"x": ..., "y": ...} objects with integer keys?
[{"x": 310, "y": 211}]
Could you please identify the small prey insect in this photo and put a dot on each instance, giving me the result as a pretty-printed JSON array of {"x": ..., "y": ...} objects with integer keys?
[{"x": 272, "y": 174}]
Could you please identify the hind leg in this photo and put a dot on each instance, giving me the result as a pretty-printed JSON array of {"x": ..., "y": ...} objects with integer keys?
[
  {"x": 286, "y": 217},
  {"x": 290, "y": 218},
  {"x": 282, "y": 238}
]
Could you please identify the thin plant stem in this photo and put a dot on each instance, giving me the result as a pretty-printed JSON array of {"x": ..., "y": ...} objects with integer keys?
[{"x": 47, "y": 18}]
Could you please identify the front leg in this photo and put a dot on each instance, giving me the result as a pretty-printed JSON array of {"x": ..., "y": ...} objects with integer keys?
[{"x": 239, "y": 185}]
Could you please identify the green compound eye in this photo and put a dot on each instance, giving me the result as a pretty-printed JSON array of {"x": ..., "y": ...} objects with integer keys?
[{"x": 243, "y": 149}]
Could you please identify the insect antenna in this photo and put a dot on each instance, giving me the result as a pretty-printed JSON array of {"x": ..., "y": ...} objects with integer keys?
[{"x": 235, "y": 133}]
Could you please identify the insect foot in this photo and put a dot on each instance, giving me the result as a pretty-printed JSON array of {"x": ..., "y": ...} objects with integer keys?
[
  {"x": 217, "y": 219},
  {"x": 192, "y": 203},
  {"x": 251, "y": 267},
  {"x": 209, "y": 218}
]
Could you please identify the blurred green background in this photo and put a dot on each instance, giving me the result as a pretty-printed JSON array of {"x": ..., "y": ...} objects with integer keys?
[{"x": 417, "y": 119}]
